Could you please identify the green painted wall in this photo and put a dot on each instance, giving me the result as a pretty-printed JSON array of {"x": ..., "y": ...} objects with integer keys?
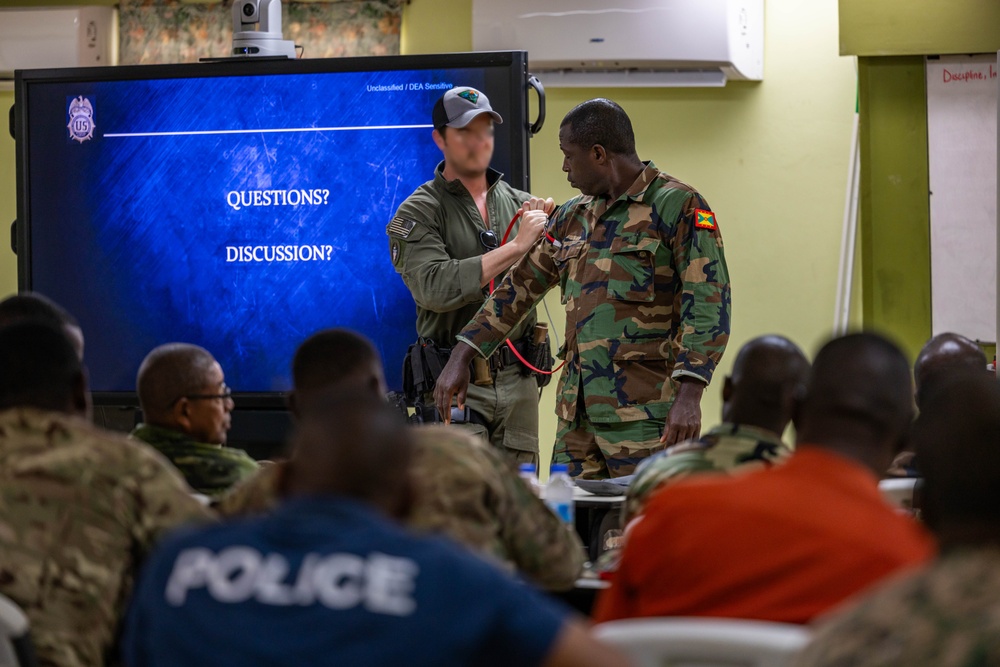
[
  {"x": 8, "y": 198},
  {"x": 895, "y": 210},
  {"x": 918, "y": 27}
]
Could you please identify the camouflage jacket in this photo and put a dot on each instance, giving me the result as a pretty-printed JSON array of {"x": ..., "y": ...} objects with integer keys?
[
  {"x": 208, "y": 469},
  {"x": 947, "y": 615},
  {"x": 646, "y": 290},
  {"x": 81, "y": 508},
  {"x": 435, "y": 246},
  {"x": 465, "y": 490},
  {"x": 725, "y": 447}
]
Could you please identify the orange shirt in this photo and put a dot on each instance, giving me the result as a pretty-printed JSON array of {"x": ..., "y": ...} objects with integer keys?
[{"x": 781, "y": 544}]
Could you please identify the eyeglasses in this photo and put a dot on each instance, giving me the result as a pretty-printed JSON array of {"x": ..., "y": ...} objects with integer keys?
[
  {"x": 226, "y": 393},
  {"x": 489, "y": 239}
]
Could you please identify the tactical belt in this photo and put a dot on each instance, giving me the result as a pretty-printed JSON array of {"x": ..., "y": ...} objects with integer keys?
[
  {"x": 502, "y": 358},
  {"x": 499, "y": 360},
  {"x": 425, "y": 360}
]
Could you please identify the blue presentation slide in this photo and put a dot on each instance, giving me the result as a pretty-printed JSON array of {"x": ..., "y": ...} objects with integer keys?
[{"x": 239, "y": 213}]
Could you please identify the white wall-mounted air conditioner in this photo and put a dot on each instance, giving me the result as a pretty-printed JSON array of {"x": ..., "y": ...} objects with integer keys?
[
  {"x": 45, "y": 37},
  {"x": 627, "y": 42}
]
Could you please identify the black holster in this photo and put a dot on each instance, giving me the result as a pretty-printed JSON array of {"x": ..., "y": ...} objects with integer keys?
[
  {"x": 538, "y": 355},
  {"x": 423, "y": 364},
  {"x": 421, "y": 368}
]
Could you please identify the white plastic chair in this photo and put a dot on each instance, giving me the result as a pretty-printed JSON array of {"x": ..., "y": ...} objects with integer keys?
[
  {"x": 898, "y": 492},
  {"x": 704, "y": 642},
  {"x": 16, "y": 649}
]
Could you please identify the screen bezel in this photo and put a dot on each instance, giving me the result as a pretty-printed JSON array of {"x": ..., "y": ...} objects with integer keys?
[{"x": 515, "y": 62}]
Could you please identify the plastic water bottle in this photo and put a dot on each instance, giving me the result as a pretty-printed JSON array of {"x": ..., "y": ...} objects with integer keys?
[
  {"x": 559, "y": 493},
  {"x": 526, "y": 471}
]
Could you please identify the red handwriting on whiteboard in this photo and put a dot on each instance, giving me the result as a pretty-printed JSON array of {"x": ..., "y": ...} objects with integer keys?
[{"x": 969, "y": 75}]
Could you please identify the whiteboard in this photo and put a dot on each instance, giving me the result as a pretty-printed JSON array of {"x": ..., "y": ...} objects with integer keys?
[{"x": 962, "y": 158}]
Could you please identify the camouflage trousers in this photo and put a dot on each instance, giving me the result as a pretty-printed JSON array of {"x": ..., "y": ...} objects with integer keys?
[
  {"x": 510, "y": 406},
  {"x": 600, "y": 451}
]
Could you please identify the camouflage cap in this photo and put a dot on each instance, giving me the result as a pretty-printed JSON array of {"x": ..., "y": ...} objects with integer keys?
[{"x": 459, "y": 106}]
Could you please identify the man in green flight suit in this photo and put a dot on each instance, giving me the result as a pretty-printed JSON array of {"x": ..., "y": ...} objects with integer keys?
[
  {"x": 444, "y": 242},
  {"x": 186, "y": 404},
  {"x": 639, "y": 261}
]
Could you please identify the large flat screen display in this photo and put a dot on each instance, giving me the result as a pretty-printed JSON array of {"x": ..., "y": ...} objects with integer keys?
[{"x": 239, "y": 206}]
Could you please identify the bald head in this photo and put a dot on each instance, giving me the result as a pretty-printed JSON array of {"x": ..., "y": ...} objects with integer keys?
[
  {"x": 168, "y": 373},
  {"x": 957, "y": 444},
  {"x": 337, "y": 360},
  {"x": 353, "y": 445},
  {"x": 944, "y": 355},
  {"x": 769, "y": 373},
  {"x": 858, "y": 400}
]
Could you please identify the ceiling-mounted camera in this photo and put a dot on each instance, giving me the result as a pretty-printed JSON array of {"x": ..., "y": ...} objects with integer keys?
[{"x": 265, "y": 40}]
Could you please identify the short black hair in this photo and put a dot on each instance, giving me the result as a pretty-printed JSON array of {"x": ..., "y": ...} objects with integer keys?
[
  {"x": 860, "y": 378},
  {"x": 600, "y": 121},
  {"x": 329, "y": 356},
  {"x": 38, "y": 366},
  {"x": 31, "y": 306}
]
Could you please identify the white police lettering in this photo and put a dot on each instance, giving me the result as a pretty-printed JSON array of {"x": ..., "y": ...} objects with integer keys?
[
  {"x": 233, "y": 575},
  {"x": 390, "y": 585},
  {"x": 190, "y": 571},
  {"x": 338, "y": 581},
  {"x": 271, "y": 588},
  {"x": 382, "y": 584}
]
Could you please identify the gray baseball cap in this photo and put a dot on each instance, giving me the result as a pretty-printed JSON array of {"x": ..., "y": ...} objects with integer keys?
[{"x": 459, "y": 106}]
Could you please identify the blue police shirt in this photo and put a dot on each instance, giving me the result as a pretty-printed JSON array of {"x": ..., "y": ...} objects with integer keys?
[{"x": 330, "y": 581}]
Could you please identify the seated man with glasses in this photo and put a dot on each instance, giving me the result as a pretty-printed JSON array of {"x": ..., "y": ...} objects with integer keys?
[{"x": 185, "y": 405}]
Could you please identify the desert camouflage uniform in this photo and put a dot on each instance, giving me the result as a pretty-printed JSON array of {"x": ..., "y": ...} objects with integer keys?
[
  {"x": 646, "y": 290},
  {"x": 80, "y": 508},
  {"x": 725, "y": 447},
  {"x": 435, "y": 246},
  {"x": 466, "y": 491},
  {"x": 947, "y": 615},
  {"x": 208, "y": 469}
]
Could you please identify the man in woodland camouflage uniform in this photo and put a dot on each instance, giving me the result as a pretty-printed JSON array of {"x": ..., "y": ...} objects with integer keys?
[
  {"x": 639, "y": 261},
  {"x": 185, "y": 406},
  {"x": 465, "y": 488},
  {"x": 80, "y": 507}
]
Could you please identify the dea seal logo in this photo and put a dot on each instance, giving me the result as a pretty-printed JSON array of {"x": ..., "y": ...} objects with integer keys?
[{"x": 81, "y": 119}]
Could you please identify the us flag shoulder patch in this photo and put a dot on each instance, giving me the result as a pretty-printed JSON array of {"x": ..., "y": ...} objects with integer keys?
[
  {"x": 400, "y": 227},
  {"x": 704, "y": 219}
]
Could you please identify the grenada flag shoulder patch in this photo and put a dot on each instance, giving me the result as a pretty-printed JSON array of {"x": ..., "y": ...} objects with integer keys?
[{"x": 704, "y": 219}]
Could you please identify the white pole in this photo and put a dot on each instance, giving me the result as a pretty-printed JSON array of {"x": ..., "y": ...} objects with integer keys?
[{"x": 845, "y": 277}]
